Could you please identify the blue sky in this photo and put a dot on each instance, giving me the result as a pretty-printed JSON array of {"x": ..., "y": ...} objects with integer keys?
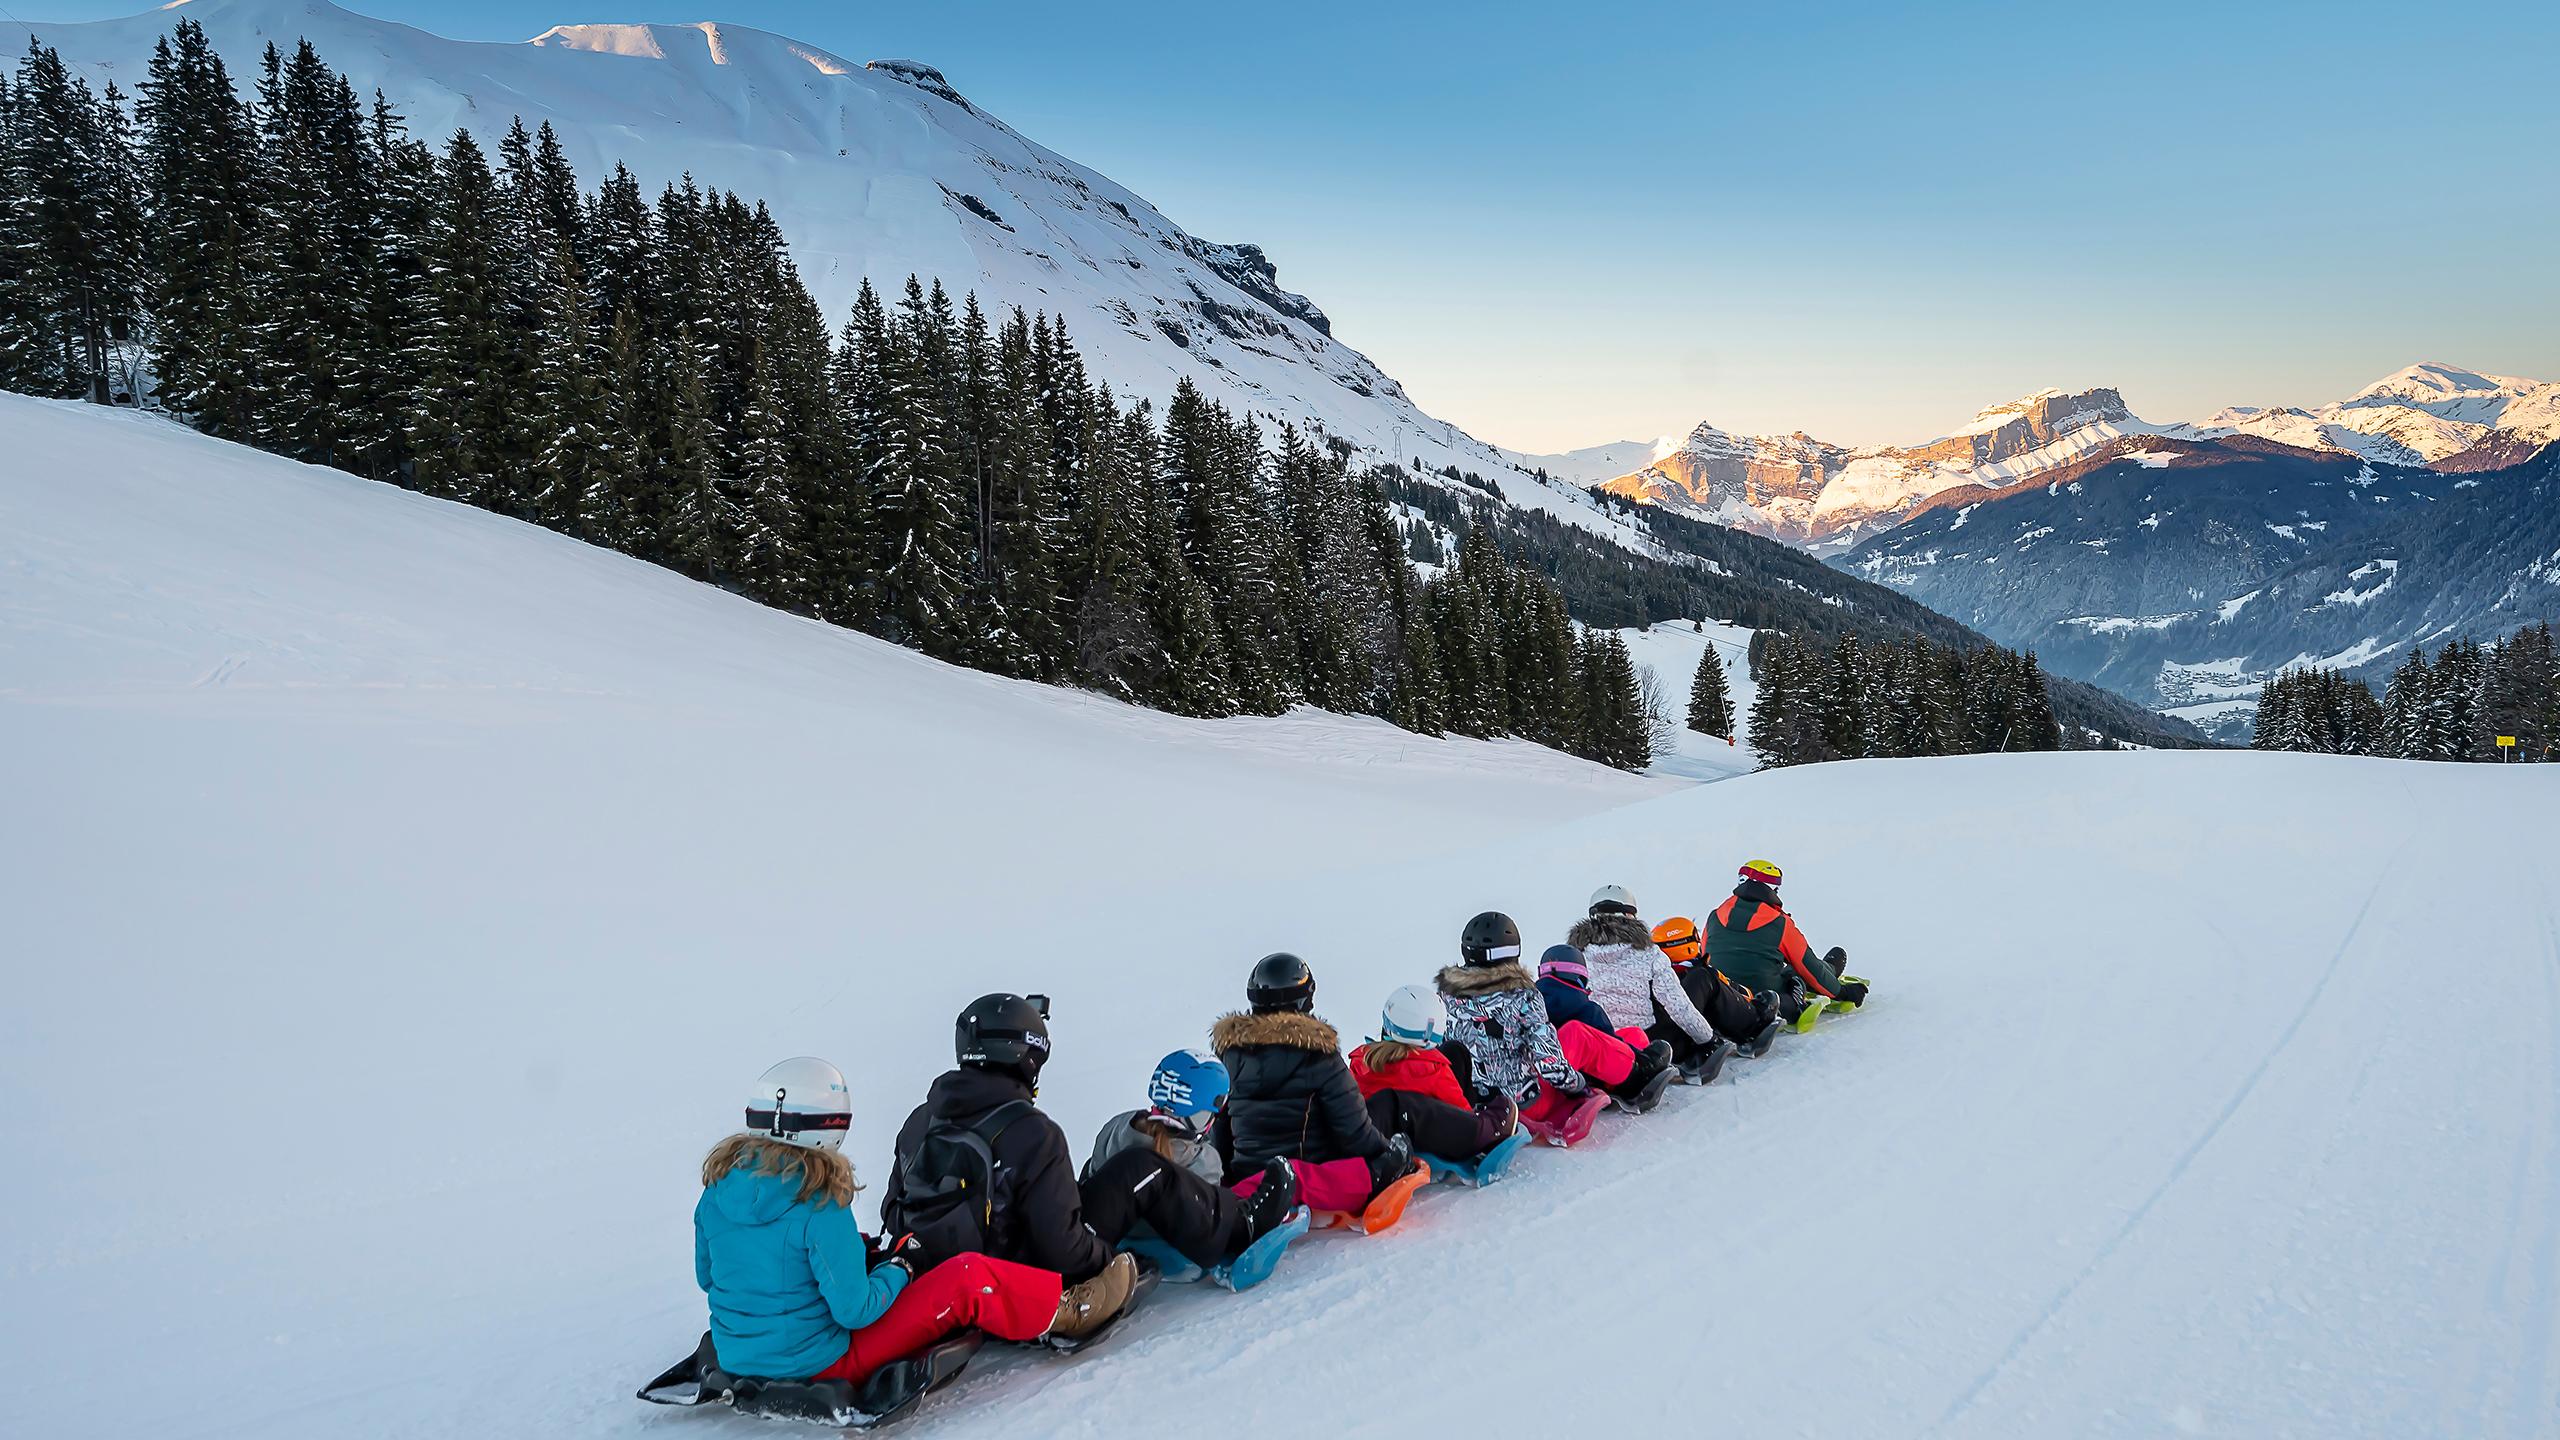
[{"x": 1561, "y": 225}]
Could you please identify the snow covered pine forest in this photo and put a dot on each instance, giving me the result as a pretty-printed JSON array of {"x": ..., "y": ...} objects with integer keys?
[{"x": 418, "y": 832}]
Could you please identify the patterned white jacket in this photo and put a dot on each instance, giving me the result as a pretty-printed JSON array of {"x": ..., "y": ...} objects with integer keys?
[{"x": 1629, "y": 976}]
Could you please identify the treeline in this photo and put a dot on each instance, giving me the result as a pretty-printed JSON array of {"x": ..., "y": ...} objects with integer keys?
[
  {"x": 1704, "y": 569},
  {"x": 2453, "y": 706},
  {"x": 1900, "y": 698},
  {"x": 295, "y": 272}
]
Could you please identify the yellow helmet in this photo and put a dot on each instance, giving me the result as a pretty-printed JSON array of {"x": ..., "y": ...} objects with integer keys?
[{"x": 1766, "y": 872}]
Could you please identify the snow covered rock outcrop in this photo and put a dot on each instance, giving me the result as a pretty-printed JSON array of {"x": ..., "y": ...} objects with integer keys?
[{"x": 1827, "y": 497}]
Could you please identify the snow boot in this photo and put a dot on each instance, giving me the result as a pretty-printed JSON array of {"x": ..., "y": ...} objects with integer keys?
[
  {"x": 1271, "y": 1203},
  {"x": 1391, "y": 1165},
  {"x": 1703, "y": 1067},
  {"x": 1759, "y": 1045},
  {"x": 1088, "y": 1307},
  {"x": 1651, "y": 1062}
]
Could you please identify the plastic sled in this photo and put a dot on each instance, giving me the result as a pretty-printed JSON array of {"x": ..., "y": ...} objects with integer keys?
[
  {"x": 1572, "y": 1126},
  {"x": 890, "y": 1394},
  {"x": 1148, "y": 1275},
  {"x": 1815, "y": 1007},
  {"x": 1385, "y": 1208},
  {"x": 1650, "y": 1096},
  {"x": 1486, "y": 1170},
  {"x": 1703, "y": 1067},
  {"x": 1241, "y": 1273}
]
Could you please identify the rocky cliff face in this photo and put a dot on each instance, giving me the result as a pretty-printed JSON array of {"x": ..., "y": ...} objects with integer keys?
[{"x": 1823, "y": 496}]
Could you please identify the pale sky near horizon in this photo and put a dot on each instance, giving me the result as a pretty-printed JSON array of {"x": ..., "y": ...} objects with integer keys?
[{"x": 1561, "y": 226}]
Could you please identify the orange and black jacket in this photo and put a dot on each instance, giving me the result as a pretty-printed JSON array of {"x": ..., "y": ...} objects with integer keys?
[{"x": 1753, "y": 940}]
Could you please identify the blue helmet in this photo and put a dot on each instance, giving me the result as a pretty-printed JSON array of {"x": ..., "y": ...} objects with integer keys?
[{"x": 1187, "y": 1083}]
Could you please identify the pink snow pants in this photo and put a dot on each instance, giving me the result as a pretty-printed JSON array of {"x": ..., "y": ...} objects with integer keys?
[
  {"x": 1332, "y": 1185},
  {"x": 1605, "y": 1058}
]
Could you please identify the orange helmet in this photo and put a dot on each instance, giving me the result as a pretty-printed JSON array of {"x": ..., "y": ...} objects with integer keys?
[{"x": 1678, "y": 937}]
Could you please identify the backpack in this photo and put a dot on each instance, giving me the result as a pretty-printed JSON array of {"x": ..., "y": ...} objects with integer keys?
[{"x": 947, "y": 1188}]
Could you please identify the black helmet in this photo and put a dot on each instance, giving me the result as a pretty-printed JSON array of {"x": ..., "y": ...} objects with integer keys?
[
  {"x": 1281, "y": 982},
  {"x": 1490, "y": 939},
  {"x": 1004, "y": 1032}
]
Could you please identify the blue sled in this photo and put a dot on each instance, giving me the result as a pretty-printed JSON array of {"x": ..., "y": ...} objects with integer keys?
[
  {"x": 1484, "y": 1171},
  {"x": 1242, "y": 1273}
]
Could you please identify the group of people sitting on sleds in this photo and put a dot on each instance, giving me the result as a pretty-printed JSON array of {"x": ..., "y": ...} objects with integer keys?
[{"x": 988, "y": 1224}]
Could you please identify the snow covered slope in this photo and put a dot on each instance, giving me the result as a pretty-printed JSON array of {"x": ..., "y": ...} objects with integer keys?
[
  {"x": 398, "y": 897},
  {"x": 877, "y": 170}
]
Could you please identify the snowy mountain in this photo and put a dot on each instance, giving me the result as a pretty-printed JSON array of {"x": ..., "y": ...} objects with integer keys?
[
  {"x": 2184, "y": 573},
  {"x": 421, "y": 889},
  {"x": 2428, "y": 414},
  {"x": 873, "y": 170},
  {"x": 1829, "y": 497}
]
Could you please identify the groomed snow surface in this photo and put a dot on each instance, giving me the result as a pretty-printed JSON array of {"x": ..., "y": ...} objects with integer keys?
[{"x": 399, "y": 899}]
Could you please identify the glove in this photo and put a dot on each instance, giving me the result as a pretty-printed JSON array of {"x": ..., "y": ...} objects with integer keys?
[
  {"x": 906, "y": 1252},
  {"x": 1854, "y": 992}
]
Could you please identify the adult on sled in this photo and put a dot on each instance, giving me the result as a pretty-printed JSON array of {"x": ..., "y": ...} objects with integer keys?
[
  {"x": 1747, "y": 1017},
  {"x": 798, "y": 1292},
  {"x": 981, "y": 1169},
  {"x": 1635, "y": 985},
  {"x": 1498, "y": 1014},
  {"x": 1154, "y": 1172},
  {"x": 1753, "y": 939},
  {"x": 1291, "y": 1097},
  {"x": 1415, "y": 1081}
]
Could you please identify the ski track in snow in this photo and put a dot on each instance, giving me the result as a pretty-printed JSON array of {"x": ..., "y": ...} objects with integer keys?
[{"x": 2178, "y": 1171}]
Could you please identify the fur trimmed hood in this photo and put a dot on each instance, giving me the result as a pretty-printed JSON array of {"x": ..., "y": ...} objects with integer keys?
[
  {"x": 1283, "y": 1028},
  {"x": 1609, "y": 930},
  {"x": 1484, "y": 979}
]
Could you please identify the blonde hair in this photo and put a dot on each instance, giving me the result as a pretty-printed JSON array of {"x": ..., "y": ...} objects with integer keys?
[
  {"x": 1388, "y": 1052},
  {"x": 822, "y": 1172}
]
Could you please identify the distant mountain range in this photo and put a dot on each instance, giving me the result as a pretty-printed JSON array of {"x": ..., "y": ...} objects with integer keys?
[
  {"x": 1829, "y": 497},
  {"x": 2184, "y": 573}
]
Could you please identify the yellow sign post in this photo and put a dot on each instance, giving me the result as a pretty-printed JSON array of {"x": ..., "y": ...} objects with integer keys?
[{"x": 2506, "y": 742}]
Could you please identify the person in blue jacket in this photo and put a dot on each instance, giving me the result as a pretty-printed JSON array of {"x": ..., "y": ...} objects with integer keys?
[
  {"x": 1565, "y": 982},
  {"x": 797, "y": 1291}
]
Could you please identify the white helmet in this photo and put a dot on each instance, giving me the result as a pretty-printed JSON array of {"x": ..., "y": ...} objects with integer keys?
[
  {"x": 801, "y": 1102},
  {"x": 1612, "y": 900},
  {"x": 1415, "y": 1016}
]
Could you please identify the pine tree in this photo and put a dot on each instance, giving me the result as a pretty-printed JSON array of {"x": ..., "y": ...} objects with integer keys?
[
  {"x": 917, "y": 493},
  {"x": 462, "y": 347},
  {"x": 1710, "y": 701},
  {"x": 68, "y": 237}
]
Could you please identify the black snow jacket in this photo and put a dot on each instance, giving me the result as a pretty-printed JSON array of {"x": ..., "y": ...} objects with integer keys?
[
  {"x": 1288, "y": 1094},
  {"x": 1039, "y": 1214}
]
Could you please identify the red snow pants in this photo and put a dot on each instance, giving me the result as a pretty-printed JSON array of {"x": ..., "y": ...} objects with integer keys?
[{"x": 1008, "y": 1301}]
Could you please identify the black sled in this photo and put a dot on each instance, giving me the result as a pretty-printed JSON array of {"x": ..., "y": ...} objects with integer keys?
[{"x": 891, "y": 1394}]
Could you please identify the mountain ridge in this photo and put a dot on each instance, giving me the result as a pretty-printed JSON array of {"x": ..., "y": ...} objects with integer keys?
[{"x": 1830, "y": 498}]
